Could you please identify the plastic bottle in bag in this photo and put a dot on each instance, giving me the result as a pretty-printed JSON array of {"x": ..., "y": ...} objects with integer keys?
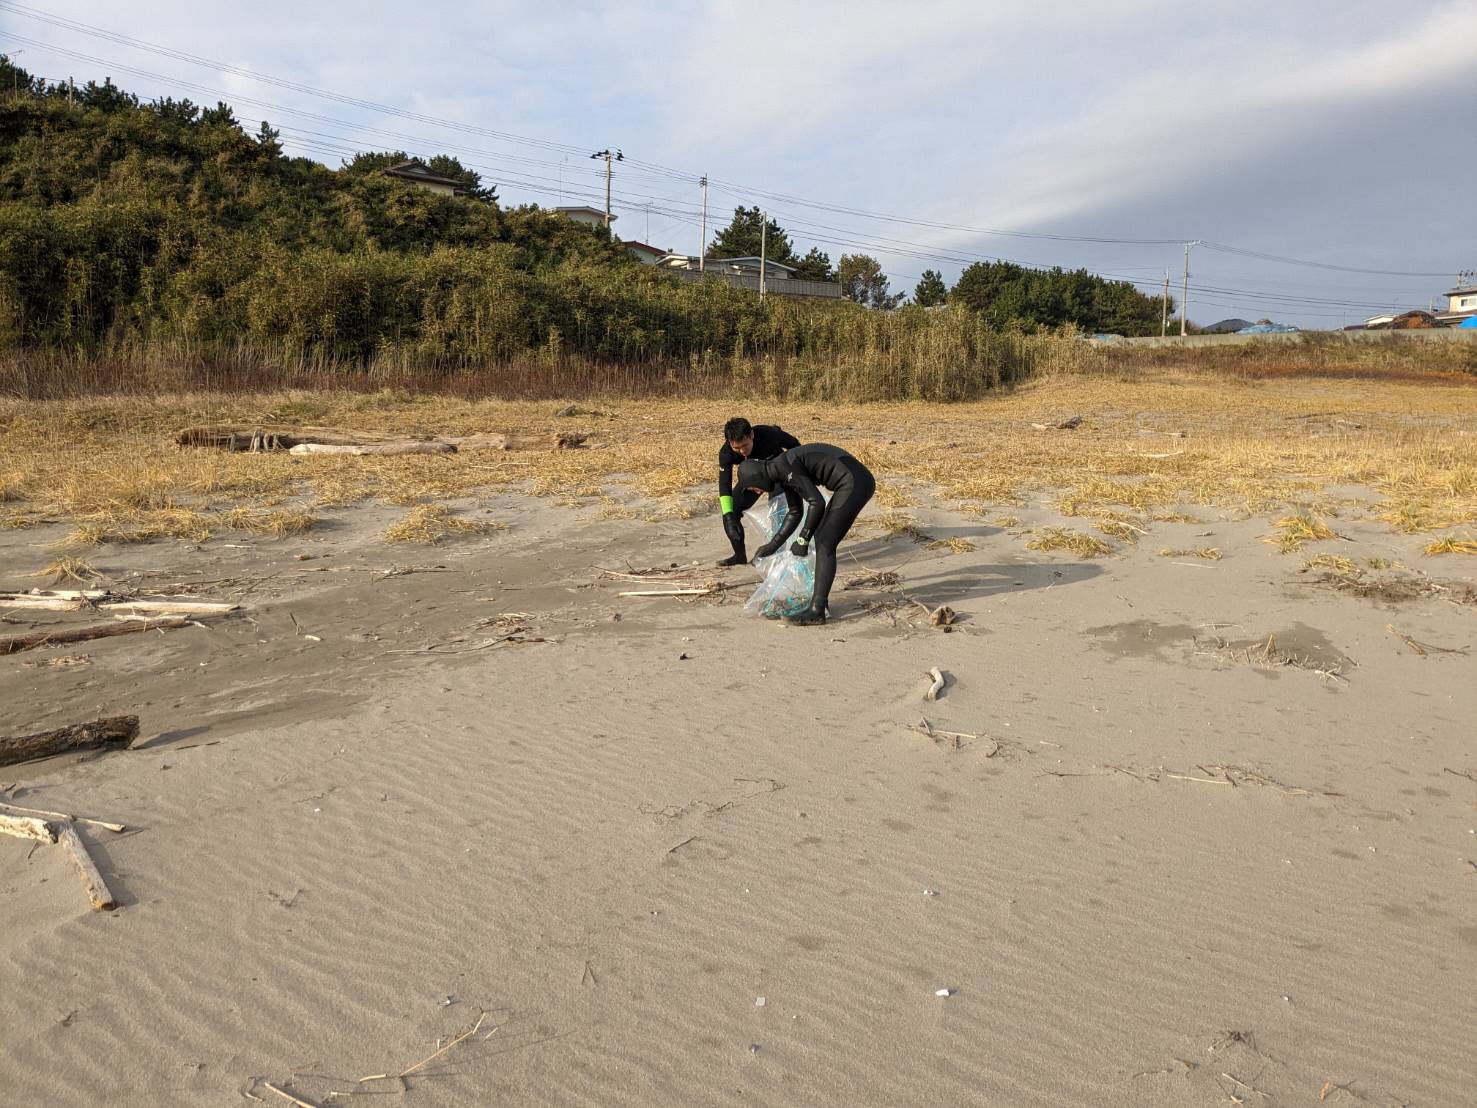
[{"x": 789, "y": 582}]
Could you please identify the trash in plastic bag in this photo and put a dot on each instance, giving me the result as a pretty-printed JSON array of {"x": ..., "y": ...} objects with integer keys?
[{"x": 788, "y": 581}]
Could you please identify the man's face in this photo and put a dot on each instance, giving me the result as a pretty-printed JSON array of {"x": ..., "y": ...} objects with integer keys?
[{"x": 743, "y": 446}]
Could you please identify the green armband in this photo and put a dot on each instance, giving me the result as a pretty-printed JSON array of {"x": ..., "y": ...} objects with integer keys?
[{"x": 725, "y": 504}]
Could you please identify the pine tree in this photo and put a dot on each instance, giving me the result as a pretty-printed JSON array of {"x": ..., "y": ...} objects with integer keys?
[
  {"x": 931, "y": 289},
  {"x": 741, "y": 239}
]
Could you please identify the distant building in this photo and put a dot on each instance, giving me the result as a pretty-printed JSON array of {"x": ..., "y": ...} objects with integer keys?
[
  {"x": 1462, "y": 298},
  {"x": 744, "y": 273},
  {"x": 646, "y": 255},
  {"x": 591, "y": 217},
  {"x": 415, "y": 172},
  {"x": 740, "y": 267}
]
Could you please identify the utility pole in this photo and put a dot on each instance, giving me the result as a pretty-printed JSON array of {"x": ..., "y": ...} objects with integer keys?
[
  {"x": 609, "y": 158},
  {"x": 1185, "y": 296},
  {"x": 1164, "y": 308},
  {"x": 702, "y": 246},
  {"x": 763, "y": 251},
  {"x": 71, "y": 91}
]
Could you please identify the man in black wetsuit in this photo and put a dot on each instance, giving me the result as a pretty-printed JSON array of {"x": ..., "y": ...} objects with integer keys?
[
  {"x": 802, "y": 472},
  {"x": 743, "y": 440}
]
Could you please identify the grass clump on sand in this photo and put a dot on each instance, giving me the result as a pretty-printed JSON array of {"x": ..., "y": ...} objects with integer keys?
[
  {"x": 1296, "y": 530},
  {"x": 1064, "y": 538},
  {"x": 1333, "y": 563},
  {"x": 128, "y": 527},
  {"x": 955, "y": 545},
  {"x": 894, "y": 525},
  {"x": 1208, "y": 553},
  {"x": 1452, "y": 545},
  {"x": 430, "y": 523},
  {"x": 279, "y": 524},
  {"x": 68, "y": 570}
]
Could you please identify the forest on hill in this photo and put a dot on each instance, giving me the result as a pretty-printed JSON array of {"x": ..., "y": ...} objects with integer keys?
[{"x": 148, "y": 228}]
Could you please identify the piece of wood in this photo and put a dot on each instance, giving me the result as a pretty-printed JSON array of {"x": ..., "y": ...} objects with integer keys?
[
  {"x": 107, "y": 602},
  {"x": 97, "y": 889},
  {"x": 666, "y": 592},
  {"x": 257, "y": 439},
  {"x": 937, "y": 686},
  {"x": 485, "y": 440},
  {"x": 28, "y": 827},
  {"x": 7, "y": 808},
  {"x": 14, "y": 644},
  {"x": 172, "y": 607},
  {"x": 116, "y": 731},
  {"x": 378, "y": 448}
]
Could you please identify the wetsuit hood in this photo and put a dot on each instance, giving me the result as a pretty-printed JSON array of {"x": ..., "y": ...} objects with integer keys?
[{"x": 754, "y": 474}]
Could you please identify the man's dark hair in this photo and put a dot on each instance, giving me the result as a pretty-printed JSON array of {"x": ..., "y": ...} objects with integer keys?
[{"x": 737, "y": 429}]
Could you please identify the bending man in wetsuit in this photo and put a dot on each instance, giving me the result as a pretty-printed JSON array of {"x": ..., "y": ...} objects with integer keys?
[
  {"x": 743, "y": 440},
  {"x": 802, "y": 472}
]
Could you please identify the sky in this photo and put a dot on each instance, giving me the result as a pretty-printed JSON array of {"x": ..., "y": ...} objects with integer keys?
[{"x": 929, "y": 135}]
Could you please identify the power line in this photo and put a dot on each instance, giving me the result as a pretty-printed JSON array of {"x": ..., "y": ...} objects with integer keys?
[{"x": 882, "y": 243}]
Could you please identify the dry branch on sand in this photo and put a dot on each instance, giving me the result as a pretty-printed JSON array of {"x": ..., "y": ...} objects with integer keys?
[
  {"x": 64, "y": 834},
  {"x": 114, "y": 731},
  {"x": 105, "y": 601},
  {"x": 14, "y": 644},
  {"x": 1424, "y": 648},
  {"x": 886, "y": 579}
]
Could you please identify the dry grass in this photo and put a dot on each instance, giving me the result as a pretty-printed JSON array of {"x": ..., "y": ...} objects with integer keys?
[
  {"x": 1207, "y": 553},
  {"x": 1452, "y": 545},
  {"x": 430, "y": 523},
  {"x": 900, "y": 525},
  {"x": 955, "y": 545},
  {"x": 1121, "y": 530},
  {"x": 68, "y": 570},
  {"x": 108, "y": 466},
  {"x": 1063, "y": 538},
  {"x": 279, "y": 524},
  {"x": 1296, "y": 530},
  {"x": 1333, "y": 563}
]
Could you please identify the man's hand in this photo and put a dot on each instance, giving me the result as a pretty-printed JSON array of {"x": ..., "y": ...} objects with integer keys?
[
  {"x": 800, "y": 547},
  {"x": 767, "y": 550}
]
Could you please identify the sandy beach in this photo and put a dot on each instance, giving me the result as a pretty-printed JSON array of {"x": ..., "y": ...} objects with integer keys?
[{"x": 1205, "y": 834}]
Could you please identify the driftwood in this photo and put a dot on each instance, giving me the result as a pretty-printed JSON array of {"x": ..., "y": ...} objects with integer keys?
[
  {"x": 14, "y": 644},
  {"x": 97, "y": 889},
  {"x": 72, "y": 600},
  {"x": 668, "y": 592},
  {"x": 329, "y": 440},
  {"x": 9, "y": 809},
  {"x": 28, "y": 827},
  {"x": 258, "y": 439},
  {"x": 116, "y": 731},
  {"x": 937, "y": 685},
  {"x": 374, "y": 448}
]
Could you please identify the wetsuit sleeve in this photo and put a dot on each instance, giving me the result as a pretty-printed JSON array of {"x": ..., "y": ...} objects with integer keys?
[
  {"x": 815, "y": 504},
  {"x": 792, "y": 516},
  {"x": 725, "y": 480}
]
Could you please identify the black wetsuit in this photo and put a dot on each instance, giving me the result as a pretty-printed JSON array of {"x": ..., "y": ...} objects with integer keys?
[
  {"x": 802, "y": 472},
  {"x": 769, "y": 442}
]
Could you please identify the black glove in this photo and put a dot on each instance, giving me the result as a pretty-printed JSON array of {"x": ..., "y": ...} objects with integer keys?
[
  {"x": 734, "y": 530},
  {"x": 767, "y": 549},
  {"x": 800, "y": 547}
]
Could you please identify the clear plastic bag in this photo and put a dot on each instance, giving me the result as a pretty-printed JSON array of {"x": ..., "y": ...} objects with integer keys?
[{"x": 788, "y": 581}]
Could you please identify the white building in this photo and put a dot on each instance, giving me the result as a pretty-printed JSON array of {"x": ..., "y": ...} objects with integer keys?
[
  {"x": 415, "y": 172},
  {"x": 1463, "y": 298},
  {"x": 645, "y": 254},
  {"x": 591, "y": 217}
]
